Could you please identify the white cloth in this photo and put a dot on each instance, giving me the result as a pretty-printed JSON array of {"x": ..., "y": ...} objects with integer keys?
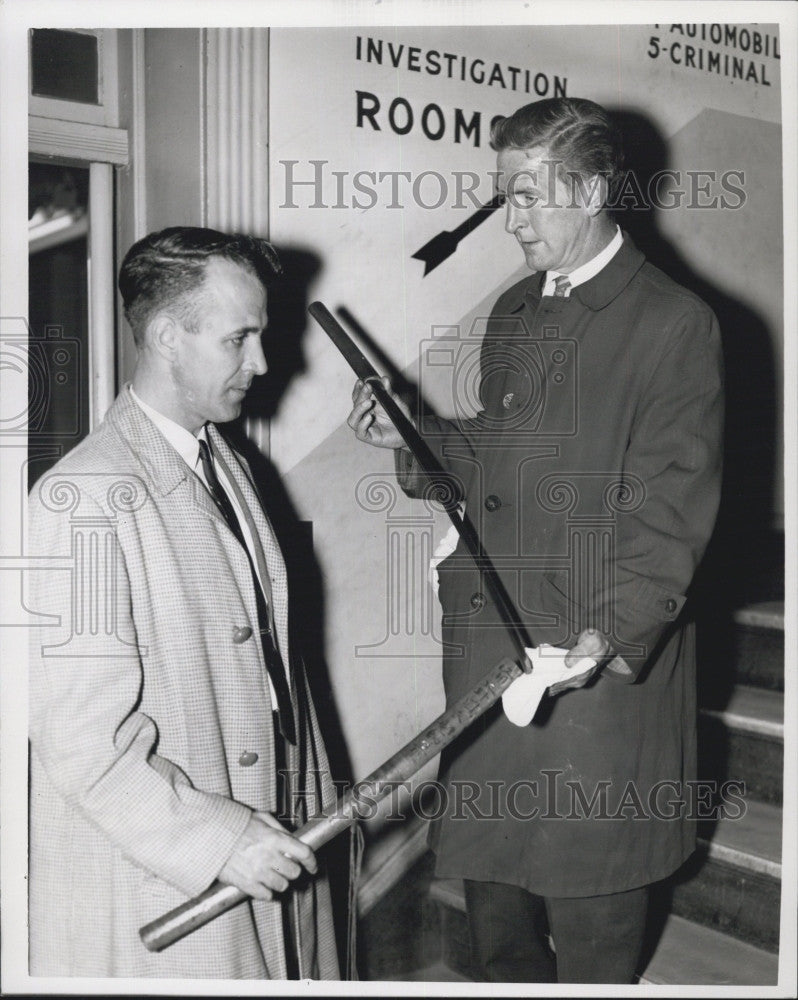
[
  {"x": 521, "y": 699},
  {"x": 443, "y": 549},
  {"x": 587, "y": 271}
]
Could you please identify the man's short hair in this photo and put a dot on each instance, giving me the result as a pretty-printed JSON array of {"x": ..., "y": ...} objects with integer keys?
[
  {"x": 165, "y": 269},
  {"x": 578, "y": 134}
]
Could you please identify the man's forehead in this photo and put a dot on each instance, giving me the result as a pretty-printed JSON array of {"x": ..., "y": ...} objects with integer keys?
[
  {"x": 222, "y": 267},
  {"x": 524, "y": 167},
  {"x": 229, "y": 278}
]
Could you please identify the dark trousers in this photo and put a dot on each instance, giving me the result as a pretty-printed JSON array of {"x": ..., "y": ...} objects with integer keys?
[{"x": 597, "y": 939}]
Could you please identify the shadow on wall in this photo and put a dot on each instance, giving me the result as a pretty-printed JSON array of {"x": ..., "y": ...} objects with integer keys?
[
  {"x": 745, "y": 515},
  {"x": 283, "y": 346},
  {"x": 744, "y": 560}
]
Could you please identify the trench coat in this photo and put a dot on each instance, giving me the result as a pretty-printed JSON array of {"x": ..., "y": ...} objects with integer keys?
[
  {"x": 593, "y": 475},
  {"x": 148, "y": 701}
]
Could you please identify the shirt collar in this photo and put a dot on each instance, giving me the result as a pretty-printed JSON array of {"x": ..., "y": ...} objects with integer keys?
[
  {"x": 595, "y": 293},
  {"x": 588, "y": 270},
  {"x": 181, "y": 439}
]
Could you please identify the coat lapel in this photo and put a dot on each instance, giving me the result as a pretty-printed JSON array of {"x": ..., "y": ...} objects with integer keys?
[
  {"x": 238, "y": 471},
  {"x": 163, "y": 467}
]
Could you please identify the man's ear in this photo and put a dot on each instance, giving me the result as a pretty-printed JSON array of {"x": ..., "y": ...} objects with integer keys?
[
  {"x": 595, "y": 194},
  {"x": 163, "y": 332}
]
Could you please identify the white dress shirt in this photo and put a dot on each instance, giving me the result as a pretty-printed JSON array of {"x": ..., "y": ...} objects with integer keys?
[
  {"x": 589, "y": 270},
  {"x": 187, "y": 446}
]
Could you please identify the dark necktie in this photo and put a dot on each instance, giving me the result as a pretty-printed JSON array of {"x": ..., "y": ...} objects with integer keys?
[
  {"x": 561, "y": 286},
  {"x": 274, "y": 662}
]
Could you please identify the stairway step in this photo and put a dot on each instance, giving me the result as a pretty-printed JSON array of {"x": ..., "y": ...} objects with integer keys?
[
  {"x": 733, "y": 881},
  {"x": 732, "y": 884},
  {"x": 449, "y": 892},
  {"x": 747, "y": 649},
  {"x": 752, "y": 842},
  {"x": 437, "y": 973},
  {"x": 688, "y": 954},
  {"x": 401, "y": 932},
  {"x": 764, "y": 615},
  {"x": 447, "y": 896},
  {"x": 758, "y": 650},
  {"x": 725, "y": 896},
  {"x": 752, "y": 709},
  {"x": 743, "y": 740},
  {"x": 685, "y": 953}
]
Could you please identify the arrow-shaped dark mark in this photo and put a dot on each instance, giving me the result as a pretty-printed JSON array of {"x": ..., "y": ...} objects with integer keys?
[{"x": 445, "y": 244}]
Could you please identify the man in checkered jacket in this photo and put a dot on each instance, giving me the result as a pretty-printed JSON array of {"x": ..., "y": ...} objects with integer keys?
[{"x": 159, "y": 759}]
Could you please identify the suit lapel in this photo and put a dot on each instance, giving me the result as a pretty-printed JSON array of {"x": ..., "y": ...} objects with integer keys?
[
  {"x": 269, "y": 557},
  {"x": 239, "y": 476},
  {"x": 164, "y": 468}
]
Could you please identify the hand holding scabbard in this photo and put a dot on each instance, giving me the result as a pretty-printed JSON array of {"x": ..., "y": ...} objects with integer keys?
[{"x": 436, "y": 474}]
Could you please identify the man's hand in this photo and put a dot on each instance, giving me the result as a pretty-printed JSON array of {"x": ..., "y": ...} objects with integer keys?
[
  {"x": 590, "y": 643},
  {"x": 369, "y": 420},
  {"x": 266, "y": 858}
]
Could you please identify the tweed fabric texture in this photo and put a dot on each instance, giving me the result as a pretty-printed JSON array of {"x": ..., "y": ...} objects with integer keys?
[{"x": 147, "y": 684}]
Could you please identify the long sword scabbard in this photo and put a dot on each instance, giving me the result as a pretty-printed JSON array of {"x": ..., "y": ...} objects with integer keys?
[{"x": 218, "y": 899}]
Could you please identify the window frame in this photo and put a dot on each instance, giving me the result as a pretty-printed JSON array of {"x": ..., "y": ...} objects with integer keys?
[{"x": 106, "y": 112}]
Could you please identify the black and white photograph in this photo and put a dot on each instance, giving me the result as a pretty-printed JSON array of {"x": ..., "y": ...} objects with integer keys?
[{"x": 397, "y": 537}]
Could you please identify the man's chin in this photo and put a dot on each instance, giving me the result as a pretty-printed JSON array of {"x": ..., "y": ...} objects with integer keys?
[
  {"x": 535, "y": 260},
  {"x": 232, "y": 411}
]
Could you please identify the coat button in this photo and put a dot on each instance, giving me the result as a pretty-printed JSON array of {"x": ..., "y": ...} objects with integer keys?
[
  {"x": 241, "y": 634},
  {"x": 247, "y": 758},
  {"x": 492, "y": 502},
  {"x": 670, "y": 605},
  {"x": 477, "y": 601}
]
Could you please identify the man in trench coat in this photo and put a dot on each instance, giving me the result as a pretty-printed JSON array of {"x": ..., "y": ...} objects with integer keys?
[
  {"x": 155, "y": 744},
  {"x": 593, "y": 475}
]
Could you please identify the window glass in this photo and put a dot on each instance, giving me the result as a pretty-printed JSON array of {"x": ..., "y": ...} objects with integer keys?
[
  {"x": 58, "y": 309},
  {"x": 64, "y": 65}
]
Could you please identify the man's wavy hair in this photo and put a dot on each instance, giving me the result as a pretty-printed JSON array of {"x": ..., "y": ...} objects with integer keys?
[
  {"x": 165, "y": 270},
  {"x": 578, "y": 134}
]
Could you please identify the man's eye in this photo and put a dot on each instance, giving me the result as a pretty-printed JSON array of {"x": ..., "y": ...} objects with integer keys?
[
  {"x": 524, "y": 199},
  {"x": 238, "y": 341}
]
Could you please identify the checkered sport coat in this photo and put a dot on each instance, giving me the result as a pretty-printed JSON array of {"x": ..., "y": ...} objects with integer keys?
[{"x": 147, "y": 686}]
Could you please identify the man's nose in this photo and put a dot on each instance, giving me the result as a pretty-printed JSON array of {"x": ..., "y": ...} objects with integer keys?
[
  {"x": 255, "y": 360},
  {"x": 513, "y": 219}
]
